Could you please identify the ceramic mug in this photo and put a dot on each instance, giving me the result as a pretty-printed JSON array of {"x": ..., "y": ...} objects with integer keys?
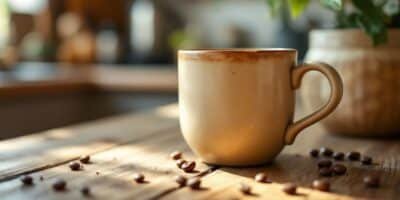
[{"x": 236, "y": 105}]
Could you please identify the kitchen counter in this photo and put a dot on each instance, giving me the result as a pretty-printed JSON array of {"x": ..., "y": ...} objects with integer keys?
[
  {"x": 141, "y": 142},
  {"x": 43, "y": 78},
  {"x": 69, "y": 94}
]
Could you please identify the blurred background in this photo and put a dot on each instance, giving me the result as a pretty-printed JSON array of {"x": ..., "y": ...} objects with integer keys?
[
  {"x": 143, "y": 31},
  {"x": 68, "y": 61}
]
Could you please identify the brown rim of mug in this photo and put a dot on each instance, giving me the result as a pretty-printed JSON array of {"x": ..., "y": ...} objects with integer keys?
[{"x": 235, "y": 54}]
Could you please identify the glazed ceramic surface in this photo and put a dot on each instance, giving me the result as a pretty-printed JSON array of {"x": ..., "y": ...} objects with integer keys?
[{"x": 236, "y": 105}]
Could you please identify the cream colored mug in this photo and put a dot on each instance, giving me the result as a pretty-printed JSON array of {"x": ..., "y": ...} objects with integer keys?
[{"x": 236, "y": 105}]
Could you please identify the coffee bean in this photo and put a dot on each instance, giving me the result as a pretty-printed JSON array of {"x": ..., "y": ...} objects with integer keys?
[
  {"x": 181, "y": 180},
  {"x": 321, "y": 185},
  {"x": 85, "y": 159},
  {"x": 245, "y": 189},
  {"x": 59, "y": 185},
  {"x": 353, "y": 156},
  {"x": 338, "y": 156},
  {"x": 27, "y": 180},
  {"x": 325, "y": 151},
  {"x": 325, "y": 171},
  {"x": 290, "y": 188},
  {"x": 372, "y": 181},
  {"x": 314, "y": 153},
  {"x": 324, "y": 163},
  {"x": 179, "y": 163},
  {"x": 366, "y": 160},
  {"x": 97, "y": 173},
  {"x": 176, "y": 155},
  {"x": 85, "y": 191},
  {"x": 188, "y": 166},
  {"x": 194, "y": 183},
  {"x": 138, "y": 177},
  {"x": 41, "y": 178},
  {"x": 339, "y": 169},
  {"x": 261, "y": 177},
  {"x": 75, "y": 166}
]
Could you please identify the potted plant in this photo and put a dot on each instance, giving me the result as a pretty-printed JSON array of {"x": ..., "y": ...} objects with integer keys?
[{"x": 365, "y": 49}]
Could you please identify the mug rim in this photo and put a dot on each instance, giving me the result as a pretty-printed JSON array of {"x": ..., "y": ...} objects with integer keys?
[
  {"x": 236, "y": 54},
  {"x": 237, "y": 50}
]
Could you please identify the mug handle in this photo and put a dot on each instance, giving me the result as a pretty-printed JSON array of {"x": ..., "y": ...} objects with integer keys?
[{"x": 336, "y": 85}]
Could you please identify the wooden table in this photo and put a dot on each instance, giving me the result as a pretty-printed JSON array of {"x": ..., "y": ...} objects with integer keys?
[{"x": 141, "y": 142}]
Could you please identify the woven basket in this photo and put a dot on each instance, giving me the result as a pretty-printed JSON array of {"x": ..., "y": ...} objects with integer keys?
[{"x": 371, "y": 76}]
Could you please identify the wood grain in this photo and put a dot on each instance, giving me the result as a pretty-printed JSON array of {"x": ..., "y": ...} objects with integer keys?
[
  {"x": 225, "y": 185},
  {"x": 25, "y": 154},
  {"x": 127, "y": 144},
  {"x": 296, "y": 166},
  {"x": 116, "y": 168}
]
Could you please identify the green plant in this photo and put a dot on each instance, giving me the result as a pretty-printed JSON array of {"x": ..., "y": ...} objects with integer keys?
[{"x": 372, "y": 16}]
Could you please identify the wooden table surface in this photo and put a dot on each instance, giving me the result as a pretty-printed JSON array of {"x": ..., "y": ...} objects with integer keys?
[{"x": 141, "y": 142}]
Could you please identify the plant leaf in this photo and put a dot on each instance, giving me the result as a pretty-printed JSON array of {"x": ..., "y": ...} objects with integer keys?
[
  {"x": 274, "y": 6},
  {"x": 297, "y": 7},
  {"x": 379, "y": 3},
  {"x": 347, "y": 20},
  {"x": 372, "y": 20},
  {"x": 333, "y": 4},
  {"x": 368, "y": 8},
  {"x": 377, "y": 32},
  {"x": 392, "y": 7}
]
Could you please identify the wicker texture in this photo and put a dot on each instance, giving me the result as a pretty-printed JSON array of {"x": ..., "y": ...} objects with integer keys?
[{"x": 371, "y": 77}]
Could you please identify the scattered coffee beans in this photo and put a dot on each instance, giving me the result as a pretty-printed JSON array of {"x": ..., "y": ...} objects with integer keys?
[
  {"x": 75, "y": 166},
  {"x": 245, "y": 189},
  {"x": 339, "y": 169},
  {"x": 321, "y": 185},
  {"x": 85, "y": 191},
  {"x": 366, "y": 160},
  {"x": 324, "y": 163},
  {"x": 194, "y": 183},
  {"x": 353, "y": 156},
  {"x": 85, "y": 159},
  {"x": 27, "y": 180},
  {"x": 181, "y": 180},
  {"x": 261, "y": 177},
  {"x": 59, "y": 185},
  {"x": 290, "y": 188},
  {"x": 372, "y": 181},
  {"x": 138, "y": 177},
  {"x": 179, "y": 163},
  {"x": 314, "y": 153},
  {"x": 338, "y": 156},
  {"x": 325, "y": 171},
  {"x": 188, "y": 166},
  {"x": 176, "y": 155},
  {"x": 325, "y": 151}
]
